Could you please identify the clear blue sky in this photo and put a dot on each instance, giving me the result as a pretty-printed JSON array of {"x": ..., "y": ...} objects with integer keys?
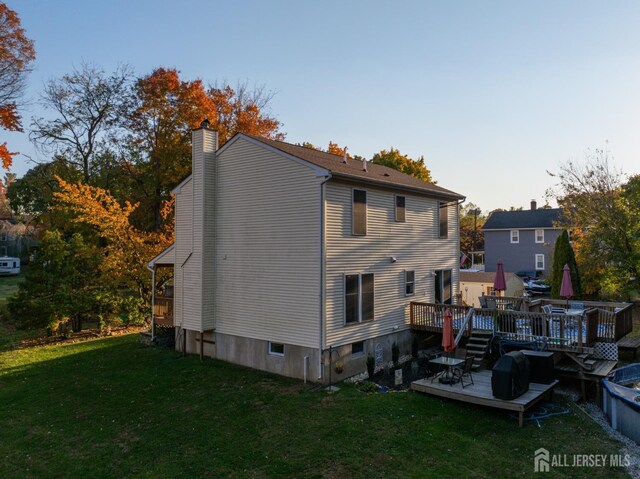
[{"x": 492, "y": 93}]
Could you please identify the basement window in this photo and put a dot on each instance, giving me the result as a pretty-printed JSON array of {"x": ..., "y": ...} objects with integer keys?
[
  {"x": 276, "y": 349},
  {"x": 357, "y": 348}
]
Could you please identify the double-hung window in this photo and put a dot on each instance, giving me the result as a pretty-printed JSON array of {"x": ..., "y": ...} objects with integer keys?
[
  {"x": 358, "y": 297},
  {"x": 539, "y": 236},
  {"x": 515, "y": 236},
  {"x": 443, "y": 220},
  {"x": 539, "y": 262},
  {"x": 400, "y": 209},
  {"x": 359, "y": 213},
  {"x": 409, "y": 283}
]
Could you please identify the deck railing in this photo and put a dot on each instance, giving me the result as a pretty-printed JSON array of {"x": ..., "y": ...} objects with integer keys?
[
  {"x": 163, "y": 310},
  {"x": 559, "y": 331}
]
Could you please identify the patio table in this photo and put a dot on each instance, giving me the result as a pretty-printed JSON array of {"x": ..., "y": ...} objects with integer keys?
[{"x": 449, "y": 364}]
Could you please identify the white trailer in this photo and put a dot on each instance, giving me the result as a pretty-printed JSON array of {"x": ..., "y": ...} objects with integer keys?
[{"x": 9, "y": 266}]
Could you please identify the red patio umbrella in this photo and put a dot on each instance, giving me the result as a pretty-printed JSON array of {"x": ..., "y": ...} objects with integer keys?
[
  {"x": 566, "y": 289},
  {"x": 448, "y": 341},
  {"x": 499, "y": 283}
]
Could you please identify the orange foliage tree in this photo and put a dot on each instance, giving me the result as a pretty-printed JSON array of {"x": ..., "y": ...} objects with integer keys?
[
  {"x": 127, "y": 249},
  {"x": 165, "y": 110},
  {"x": 16, "y": 55}
]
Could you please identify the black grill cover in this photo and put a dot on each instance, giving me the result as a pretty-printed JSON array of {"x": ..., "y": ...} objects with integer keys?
[{"x": 510, "y": 376}]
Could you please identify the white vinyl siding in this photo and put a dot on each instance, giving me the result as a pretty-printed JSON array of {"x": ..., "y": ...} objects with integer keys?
[
  {"x": 539, "y": 262},
  {"x": 183, "y": 248},
  {"x": 268, "y": 246},
  {"x": 415, "y": 244},
  {"x": 539, "y": 236},
  {"x": 515, "y": 236}
]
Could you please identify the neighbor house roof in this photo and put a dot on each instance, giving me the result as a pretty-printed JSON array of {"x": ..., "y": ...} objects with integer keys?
[
  {"x": 540, "y": 218},
  {"x": 352, "y": 170},
  {"x": 481, "y": 276}
]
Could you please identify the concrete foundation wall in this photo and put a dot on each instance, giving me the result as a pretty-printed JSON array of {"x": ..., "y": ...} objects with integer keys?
[
  {"x": 356, "y": 364},
  {"x": 254, "y": 353}
]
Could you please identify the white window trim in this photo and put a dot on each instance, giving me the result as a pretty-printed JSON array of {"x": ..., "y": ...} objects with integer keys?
[
  {"x": 274, "y": 353},
  {"x": 405, "y": 282},
  {"x": 539, "y": 231},
  {"x": 395, "y": 208},
  {"x": 517, "y": 240},
  {"x": 366, "y": 212},
  {"x": 344, "y": 295},
  {"x": 539, "y": 256},
  {"x": 361, "y": 353},
  {"x": 446, "y": 206}
]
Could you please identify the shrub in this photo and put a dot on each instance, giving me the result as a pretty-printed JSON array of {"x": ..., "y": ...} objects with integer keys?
[
  {"x": 395, "y": 353},
  {"x": 371, "y": 366}
]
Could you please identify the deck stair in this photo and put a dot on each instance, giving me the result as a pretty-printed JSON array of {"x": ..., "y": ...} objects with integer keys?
[
  {"x": 478, "y": 345},
  {"x": 583, "y": 360}
]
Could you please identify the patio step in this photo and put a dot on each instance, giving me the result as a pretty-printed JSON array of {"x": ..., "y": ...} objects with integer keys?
[
  {"x": 582, "y": 361},
  {"x": 478, "y": 345}
]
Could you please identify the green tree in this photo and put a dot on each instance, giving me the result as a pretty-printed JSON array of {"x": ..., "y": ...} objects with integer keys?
[
  {"x": 471, "y": 222},
  {"x": 602, "y": 210},
  {"x": 394, "y": 159},
  {"x": 563, "y": 254},
  {"x": 61, "y": 285}
]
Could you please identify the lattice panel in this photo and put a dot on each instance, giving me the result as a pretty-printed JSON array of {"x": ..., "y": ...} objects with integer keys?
[{"x": 608, "y": 351}]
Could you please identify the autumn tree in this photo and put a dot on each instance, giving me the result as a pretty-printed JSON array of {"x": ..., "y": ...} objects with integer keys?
[
  {"x": 602, "y": 211},
  {"x": 126, "y": 249},
  {"x": 394, "y": 159},
  {"x": 563, "y": 254},
  {"x": 16, "y": 55},
  {"x": 31, "y": 196},
  {"x": 164, "y": 110},
  {"x": 86, "y": 107}
]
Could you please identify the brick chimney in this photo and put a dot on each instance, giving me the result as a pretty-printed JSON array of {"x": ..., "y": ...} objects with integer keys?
[{"x": 534, "y": 205}]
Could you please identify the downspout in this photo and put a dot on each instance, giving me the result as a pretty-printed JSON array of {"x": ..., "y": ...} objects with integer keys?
[
  {"x": 153, "y": 301},
  {"x": 322, "y": 274}
]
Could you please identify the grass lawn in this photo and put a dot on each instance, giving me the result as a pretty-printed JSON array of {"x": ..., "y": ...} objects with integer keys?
[{"x": 113, "y": 408}]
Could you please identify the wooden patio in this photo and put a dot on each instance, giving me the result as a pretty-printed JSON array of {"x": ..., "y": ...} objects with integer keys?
[{"x": 480, "y": 393}]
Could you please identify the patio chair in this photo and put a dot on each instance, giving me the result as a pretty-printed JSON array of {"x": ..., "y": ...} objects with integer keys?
[
  {"x": 483, "y": 301},
  {"x": 576, "y": 306},
  {"x": 518, "y": 305},
  {"x": 491, "y": 303},
  {"x": 464, "y": 372},
  {"x": 547, "y": 309}
]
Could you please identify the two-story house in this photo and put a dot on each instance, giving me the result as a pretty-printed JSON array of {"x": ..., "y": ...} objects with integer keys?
[
  {"x": 523, "y": 240},
  {"x": 285, "y": 257}
]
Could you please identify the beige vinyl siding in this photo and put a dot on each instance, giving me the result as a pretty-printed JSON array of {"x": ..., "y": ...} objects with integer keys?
[
  {"x": 268, "y": 246},
  {"x": 415, "y": 244},
  {"x": 209, "y": 233},
  {"x": 183, "y": 245}
]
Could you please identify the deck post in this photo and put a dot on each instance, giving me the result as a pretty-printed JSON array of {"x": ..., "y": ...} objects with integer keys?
[
  {"x": 521, "y": 418},
  {"x": 201, "y": 346}
]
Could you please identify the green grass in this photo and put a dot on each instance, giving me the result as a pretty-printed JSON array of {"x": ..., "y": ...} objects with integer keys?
[
  {"x": 113, "y": 408},
  {"x": 8, "y": 286}
]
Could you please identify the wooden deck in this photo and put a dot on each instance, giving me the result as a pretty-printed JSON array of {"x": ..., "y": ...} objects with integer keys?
[{"x": 481, "y": 393}]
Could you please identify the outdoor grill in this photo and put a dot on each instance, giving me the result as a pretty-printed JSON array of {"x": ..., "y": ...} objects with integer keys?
[{"x": 510, "y": 376}]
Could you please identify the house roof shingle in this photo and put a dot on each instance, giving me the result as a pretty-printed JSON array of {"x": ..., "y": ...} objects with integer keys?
[
  {"x": 540, "y": 218},
  {"x": 352, "y": 170}
]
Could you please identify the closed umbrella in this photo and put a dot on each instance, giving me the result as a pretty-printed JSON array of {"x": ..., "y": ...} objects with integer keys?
[
  {"x": 448, "y": 341},
  {"x": 566, "y": 288},
  {"x": 499, "y": 283}
]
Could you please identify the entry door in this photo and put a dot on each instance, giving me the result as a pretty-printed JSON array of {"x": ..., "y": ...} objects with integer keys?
[{"x": 442, "y": 286}]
